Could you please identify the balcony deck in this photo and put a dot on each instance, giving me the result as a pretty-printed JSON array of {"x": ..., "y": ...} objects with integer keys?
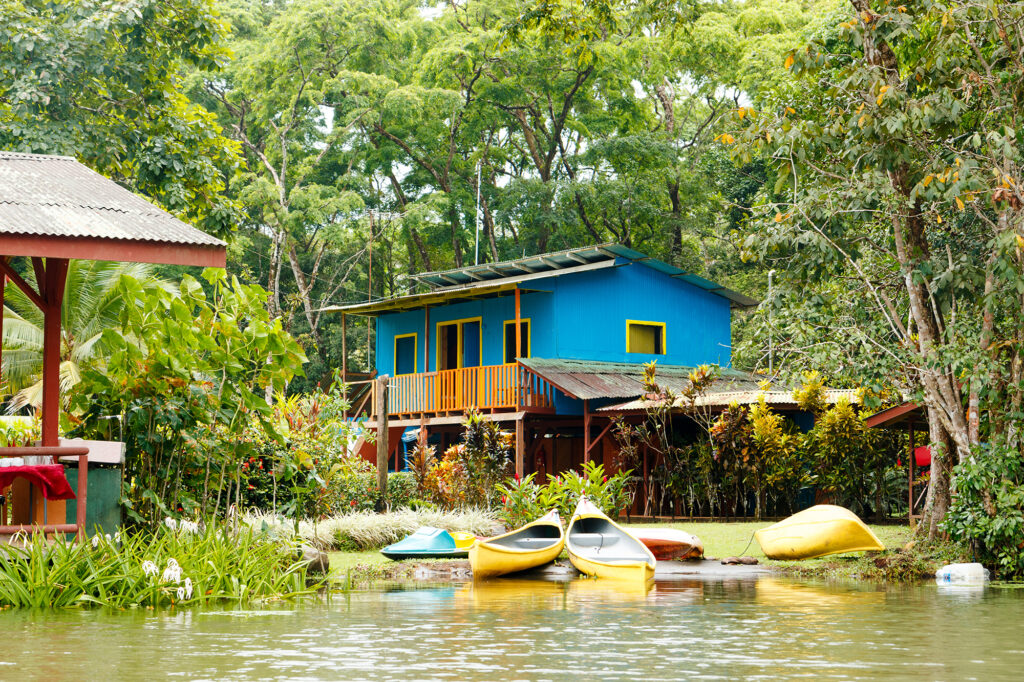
[{"x": 489, "y": 389}]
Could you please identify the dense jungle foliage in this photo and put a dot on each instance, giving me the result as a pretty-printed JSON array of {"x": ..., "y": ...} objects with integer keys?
[{"x": 865, "y": 152}]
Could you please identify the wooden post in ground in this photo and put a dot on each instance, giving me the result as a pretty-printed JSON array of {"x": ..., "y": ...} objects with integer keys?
[
  {"x": 381, "y": 408},
  {"x": 519, "y": 327},
  {"x": 520, "y": 446},
  {"x": 910, "y": 474},
  {"x": 586, "y": 430},
  {"x": 344, "y": 361}
]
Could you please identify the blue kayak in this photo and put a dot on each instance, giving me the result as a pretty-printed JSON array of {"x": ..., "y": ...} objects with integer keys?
[{"x": 429, "y": 543}]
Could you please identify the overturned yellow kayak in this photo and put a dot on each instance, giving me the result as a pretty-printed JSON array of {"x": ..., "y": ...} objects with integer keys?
[
  {"x": 819, "y": 531},
  {"x": 600, "y": 547},
  {"x": 533, "y": 545}
]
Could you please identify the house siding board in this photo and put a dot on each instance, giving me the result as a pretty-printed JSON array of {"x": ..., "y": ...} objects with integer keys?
[
  {"x": 494, "y": 312},
  {"x": 592, "y": 309},
  {"x": 582, "y": 317}
]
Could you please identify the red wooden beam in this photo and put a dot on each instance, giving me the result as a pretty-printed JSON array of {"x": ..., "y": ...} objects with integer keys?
[
  {"x": 12, "y": 274},
  {"x": 55, "y": 276},
  {"x": 96, "y": 248}
]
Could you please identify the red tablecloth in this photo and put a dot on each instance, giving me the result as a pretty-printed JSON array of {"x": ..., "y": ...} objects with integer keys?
[{"x": 48, "y": 477}]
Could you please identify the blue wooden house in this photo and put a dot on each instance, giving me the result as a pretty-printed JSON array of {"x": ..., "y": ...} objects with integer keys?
[{"x": 547, "y": 344}]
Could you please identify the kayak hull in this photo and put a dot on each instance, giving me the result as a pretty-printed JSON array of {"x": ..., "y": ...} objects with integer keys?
[
  {"x": 535, "y": 544},
  {"x": 425, "y": 554},
  {"x": 430, "y": 543},
  {"x": 819, "y": 531},
  {"x": 667, "y": 544},
  {"x": 601, "y": 548}
]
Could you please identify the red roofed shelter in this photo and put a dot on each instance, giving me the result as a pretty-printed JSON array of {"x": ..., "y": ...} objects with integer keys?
[{"x": 53, "y": 209}]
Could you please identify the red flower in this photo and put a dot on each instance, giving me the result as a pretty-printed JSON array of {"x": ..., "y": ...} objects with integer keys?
[
  {"x": 517, "y": 476},
  {"x": 252, "y": 487},
  {"x": 604, "y": 479},
  {"x": 352, "y": 503},
  {"x": 504, "y": 500}
]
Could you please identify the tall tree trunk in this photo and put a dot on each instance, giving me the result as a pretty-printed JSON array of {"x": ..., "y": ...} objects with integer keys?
[{"x": 937, "y": 500}]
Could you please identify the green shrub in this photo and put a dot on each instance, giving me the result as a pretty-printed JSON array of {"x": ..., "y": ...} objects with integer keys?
[
  {"x": 987, "y": 514},
  {"x": 401, "y": 489},
  {"x": 522, "y": 500},
  {"x": 352, "y": 488},
  {"x": 167, "y": 567}
]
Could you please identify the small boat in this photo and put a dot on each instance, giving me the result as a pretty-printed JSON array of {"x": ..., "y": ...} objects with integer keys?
[
  {"x": 430, "y": 543},
  {"x": 533, "y": 545},
  {"x": 667, "y": 544},
  {"x": 602, "y": 548},
  {"x": 819, "y": 531}
]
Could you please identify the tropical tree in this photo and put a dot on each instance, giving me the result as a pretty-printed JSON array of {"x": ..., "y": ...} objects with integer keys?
[
  {"x": 92, "y": 304},
  {"x": 898, "y": 199},
  {"x": 103, "y": 81}
]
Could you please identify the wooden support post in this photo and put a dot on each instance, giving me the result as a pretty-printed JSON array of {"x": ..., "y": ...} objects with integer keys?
[
  {"x": 586, "y": 430},
  {"x": 519, "y": 326},
  {"x": 3, "y": 288},
  {"x": 426, "y": 339},
  {"x": 381, "y": 408},
  {"x": 910, "y": 475},
  {"x": 344, "y": 361},
  {"x": 520, "y": 446},
  {"x": 51, "y": 286}
]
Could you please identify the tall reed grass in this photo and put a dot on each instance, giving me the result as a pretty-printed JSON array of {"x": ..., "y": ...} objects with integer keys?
[
  {"x": 165, "y": 568},
  {"x": 367, "y": 530}
]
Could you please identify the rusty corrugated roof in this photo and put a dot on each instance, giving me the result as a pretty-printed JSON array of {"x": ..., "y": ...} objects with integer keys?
[
  {"x": 714, "y": 398},
  {"x": 56, "y": 196},
  {"x": 587, "y": 380}
]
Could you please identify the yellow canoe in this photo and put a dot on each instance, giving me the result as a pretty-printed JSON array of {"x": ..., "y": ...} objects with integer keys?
[
  {"x": 533, "y": 545},
  {"x": 602, "y": 548},
  {"x": 819, "y": 531}
]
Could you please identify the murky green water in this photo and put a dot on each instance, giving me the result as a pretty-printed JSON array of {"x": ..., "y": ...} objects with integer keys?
[{"x": 511, "y": 630}]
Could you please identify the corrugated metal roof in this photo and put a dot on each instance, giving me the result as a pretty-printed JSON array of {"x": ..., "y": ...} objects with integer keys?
[
  {"x": 586, "y": 380},
  {"x": 723, "y": 399},
  {"x": 571, "y": 259},
  {"x": 56, "y": 196}
]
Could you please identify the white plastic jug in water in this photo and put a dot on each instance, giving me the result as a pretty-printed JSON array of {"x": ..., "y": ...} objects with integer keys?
[{"x": 962, "y": 574}]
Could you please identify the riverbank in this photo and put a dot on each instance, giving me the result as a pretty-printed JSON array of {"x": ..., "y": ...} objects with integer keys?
[{"x": 902, "y": 561}]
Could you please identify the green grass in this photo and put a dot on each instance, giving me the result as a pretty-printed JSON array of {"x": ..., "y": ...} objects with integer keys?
[
  {"x": 720, "y": 540},
  {"x": 343, "y": 561},
  {"x": 729, "y": 539}
]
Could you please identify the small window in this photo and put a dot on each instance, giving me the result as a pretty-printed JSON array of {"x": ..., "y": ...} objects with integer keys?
[
  {"x": 645, "y": 337},
  {"x": 510, "y": 340},
  {"x": 405, "y": 354}
]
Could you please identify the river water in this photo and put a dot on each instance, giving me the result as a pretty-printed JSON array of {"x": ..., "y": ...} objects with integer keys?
[{"x": 767, "y": 628}]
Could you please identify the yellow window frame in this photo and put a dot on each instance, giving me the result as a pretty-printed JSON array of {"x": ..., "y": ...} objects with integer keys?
[
  {"x": 458, "y": 339},
  {"x": 647, "y": 323},
  {"x": 504, "y": 337},
  {"x": 415, "y": 352}
]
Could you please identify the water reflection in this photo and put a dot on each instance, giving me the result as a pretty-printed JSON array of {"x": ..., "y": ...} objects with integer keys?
[{"x": 768, "y": 628}]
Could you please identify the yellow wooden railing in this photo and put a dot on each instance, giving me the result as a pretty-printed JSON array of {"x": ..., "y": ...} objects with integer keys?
[{"x": 491, "y": 387}]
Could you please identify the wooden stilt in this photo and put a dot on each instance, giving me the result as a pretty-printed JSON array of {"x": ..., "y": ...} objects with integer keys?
[
  {"x": 910, "y": 474},
  {"x": 54, "y": 276},
  {"x": 426, "y": 339},
  {"x": 381, "y": 408},
  {"x": 586, "y": 430},
  {"x": 520, "y": 446}
]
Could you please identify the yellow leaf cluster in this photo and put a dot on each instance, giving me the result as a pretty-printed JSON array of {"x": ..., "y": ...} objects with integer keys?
[
  {"x": 789, "y": 61},
  {"x": 726, "y": 138}
]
